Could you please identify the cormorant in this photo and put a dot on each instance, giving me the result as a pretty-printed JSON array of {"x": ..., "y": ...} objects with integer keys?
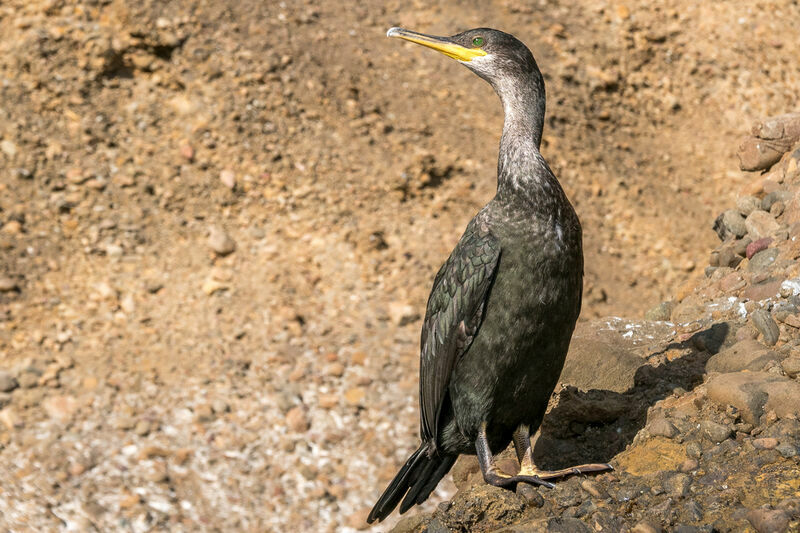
[{"x": 503, "y": 306}]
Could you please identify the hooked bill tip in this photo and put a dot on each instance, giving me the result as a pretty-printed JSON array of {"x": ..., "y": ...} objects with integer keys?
[{"x": 393, "y": 31}]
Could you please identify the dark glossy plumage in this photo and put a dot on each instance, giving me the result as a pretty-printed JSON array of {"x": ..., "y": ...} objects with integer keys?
[{"x": 503, "y": 306}]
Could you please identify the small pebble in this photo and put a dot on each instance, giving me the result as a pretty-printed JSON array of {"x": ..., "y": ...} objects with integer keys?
[
  {"x": 296, "y": 420},
  {"x": 766, "y": 443},
  {"x": 715, "y": 432},
  {"x": 662, "y": 427},
  {"x": 766, "y": 325},
  {"x": 7, "y": 284},
  {"x": 220, "y": 242},
  {"x": 530, "y": 495},
  {"x": 7, "y": 382}
]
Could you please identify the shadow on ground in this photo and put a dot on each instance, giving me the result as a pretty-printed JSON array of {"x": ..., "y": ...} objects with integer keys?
[{"x": 594, "y": 426}]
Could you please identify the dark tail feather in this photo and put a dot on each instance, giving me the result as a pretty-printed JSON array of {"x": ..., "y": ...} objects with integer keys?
[
  {"x": 421, "y": 474},
  {"x": 435, "y": 470}
]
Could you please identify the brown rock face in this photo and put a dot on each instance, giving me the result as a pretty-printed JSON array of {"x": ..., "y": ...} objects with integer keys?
[
  {"x": 744, "y": 355},
  {"x": 755, "y": 393}
]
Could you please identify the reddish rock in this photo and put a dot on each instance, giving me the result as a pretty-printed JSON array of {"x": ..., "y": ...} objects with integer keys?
[{"x": 756, "y": 246}]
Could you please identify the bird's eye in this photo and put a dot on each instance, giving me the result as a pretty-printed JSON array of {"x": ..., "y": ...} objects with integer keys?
[{"x": 478, "y": 41}]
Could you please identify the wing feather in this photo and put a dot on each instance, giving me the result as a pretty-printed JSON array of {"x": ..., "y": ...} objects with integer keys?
[{"x": 453, "y": 316}]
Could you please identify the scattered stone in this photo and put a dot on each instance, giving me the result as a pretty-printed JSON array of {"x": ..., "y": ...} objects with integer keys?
[
  {"x": 296, "y": 420},
  {"x": 760, "y": 225},
  {"x": 646, "y": 527},
  {"x": 530, "y": 494},
  {"x": 744, "y": 355},
  {"x": 715, "y": 432},
  {"x": 402, "y": 313},
  {"x": 765, "y": 443},
  {"x": 730, "y": 224},
  {"x": 355, "y": 396},
  {"x": 228, "y": 178},
  {"x": 756, "y": 246},
  {"x": 765, "y": 324},
  {"x": 677, "y": 485},
  {"x": 10, "y": 418},
  {"x": 661, "y": 427},
  {"x": 747, "y": 204},
  {"x": 7, "y": 284},
  {"x": 220, "y": 242},
  {"x": 60, "y": 408},
  {"x": 791, "y": 365},
  {"x": 594, "y": 489},
  {"x": 7, "y": 382},
  {"x": 661, "y": 312},
  {"x": 755, "y": 393},
  {"x": 203, "y": 413},
  {"x": 763, "y": 260},
  {"x": 769, "y": 520}
]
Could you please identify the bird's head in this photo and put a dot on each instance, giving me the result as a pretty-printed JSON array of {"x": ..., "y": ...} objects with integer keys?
[{"x": 493, "y": 55}]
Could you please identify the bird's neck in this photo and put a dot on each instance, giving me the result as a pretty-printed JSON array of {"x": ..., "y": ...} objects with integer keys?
[{"x": 523, "y": 101}]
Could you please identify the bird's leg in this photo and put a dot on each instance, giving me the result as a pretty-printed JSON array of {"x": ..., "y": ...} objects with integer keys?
[
  {"x": 522, "y": 444},
  {"x": 491, "y": 474}
]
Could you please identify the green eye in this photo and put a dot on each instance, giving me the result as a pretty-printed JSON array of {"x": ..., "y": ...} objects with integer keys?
[{"x": 478, "y": 41}]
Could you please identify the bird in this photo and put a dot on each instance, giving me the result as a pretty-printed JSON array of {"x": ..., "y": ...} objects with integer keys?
[{"x": 503, "y": 307}]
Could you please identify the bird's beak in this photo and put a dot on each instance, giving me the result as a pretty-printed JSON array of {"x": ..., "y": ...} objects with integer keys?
[{"x": 440, "y": 44}]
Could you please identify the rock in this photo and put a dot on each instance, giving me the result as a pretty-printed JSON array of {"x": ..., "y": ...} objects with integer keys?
[
  {"x": 677, "y": 485},
  {"x": 595, "y": 362},
  {"x": 781, "y": 132},
  {"x": 766, "y": 325},
  {"x": 661, "y": 312},
  {"x": 728, "y": 256},
  {"x": 409, "y": 524},
  {"x": 228, "y": 178},
  {"x": 661, "y": 427},
  {"x": 763, "y": 260},
  {"x": 464, "y": 471},
  {"x": 402, "y": 313},
  {"x": 60, "y": 408},
  {"x": 567, "y": 525},
  {"x": 355, "y": 396},
  {"x": 761, "y": 291},
  {"x": 296, "y": 420},
  {"x": 755, "y": 393},
  {"x": 765, "y": 443},
  {"x": 220, "y": 242},
  {"x": 756, "y": 246},
  {"x": 730, "y": 224},
  {"x": 203, "y": 413},
  {"x": 7, "y": 382},
  {"x": 747, "y": 204},
  {"x": 645, "y": 527},
  {"x": 530, "y": 494},
  {"x": 760, "y": 225},
  {"x": 593, "y": 488},
  {"x": 769, "y": 520},
  {"x": 715, "y": 432},
  {"x": 791, "y": 365},
  {"x": 10, "y": 418},
  {"x": 7, "y": 284},
  {"x": 335, "y": 369},
  {"x": 744, "y": 355}
]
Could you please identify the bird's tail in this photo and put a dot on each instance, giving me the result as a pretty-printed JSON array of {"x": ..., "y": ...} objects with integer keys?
[{"x": 416, "y": 480}]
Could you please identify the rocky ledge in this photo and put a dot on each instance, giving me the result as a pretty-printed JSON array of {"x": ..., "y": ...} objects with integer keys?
[{"x": 696, "y": 407}]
